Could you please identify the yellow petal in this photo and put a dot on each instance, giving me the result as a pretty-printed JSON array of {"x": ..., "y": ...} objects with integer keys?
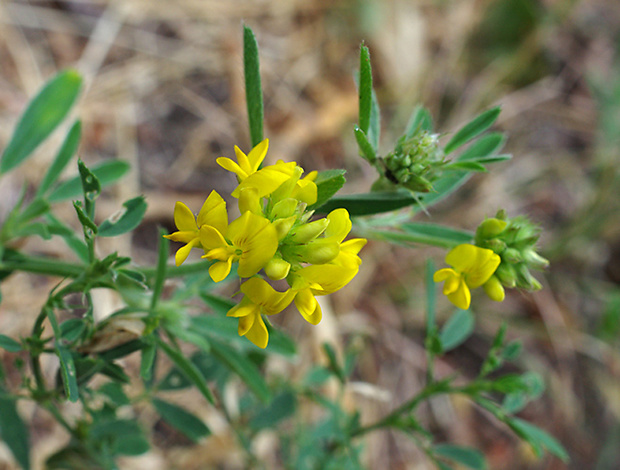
[
  {"x": 486, "y": 263},
  {"x": 249, "y": 201},
  {"x": 461, "y": 297},
  {"x": 229, "y": 165},
  {"x": 243, "y": 308},
  {"x": 183, "y": 237},
  {"x": 494, "y": 289},
  {"x": 183, "y": 252},
  {"x": 268, "y": 179},
  {"x": 258, "y": 291},
  {"x": 306, "y": 191},
  {"x": 258, "y": 333},
  {"x": 257, "y": 155},
  {"x": 451, "y": 277},
  {"x": 211, "y": 238},
  {"x": 257, "y": 238},
  {"x": 308, "y": 306},
  {"x": 325, "y": 278},
  {"x": 213, "y": 213},
  {"x": 219, "y": 270},
  {"x": 245, "y": 323},
  {"x": 339, "y": 225},
  {"x": 183, "y": 217}
]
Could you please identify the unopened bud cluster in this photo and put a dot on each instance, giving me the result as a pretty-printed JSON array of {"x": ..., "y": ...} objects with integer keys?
[
  {"x": 514, "y": 240},
  {"x": 415, "y": 162}
]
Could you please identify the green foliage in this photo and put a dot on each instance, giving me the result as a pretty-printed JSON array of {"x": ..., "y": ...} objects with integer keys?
[
  {"x": 253, "y": 90},
  {"x": 44, "y": 113},
  {"x": 13, "y": 430},
  {"x": 181, "y": 419}
]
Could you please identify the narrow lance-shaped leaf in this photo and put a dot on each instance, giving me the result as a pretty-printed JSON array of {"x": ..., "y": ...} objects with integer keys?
[
  {"x": 66, "y": 152},
  {"x": 420, "y": 120},
  {"x": 44, "y": 113},
  {"x": 366, "y": 149},
  {"x": 374, "y": 131},
  {"x": 369, "y": 203},
  {"x": 67, "y": 366},
  {"x": 187, "y": 368},
  {"x": 483, "y": 147},
  {"x": 253, "y": 89},
  {"x": 473, "y": 128},
  {"x": 126, "y": 220},
  {"x": 456, "y": 330},
  {"x": 181, "y": 419},
  {"x": 365, "y": 90},
  {"x": 9, "y": 344},
  {"x": 470, "y": 458}
]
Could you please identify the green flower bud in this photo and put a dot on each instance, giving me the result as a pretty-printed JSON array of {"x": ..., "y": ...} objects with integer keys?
[
  {"x": 490, "y": 228},
  {"x": 284, "y": 208},
  {"x": 277, "y": 268},
  {"x": 307, "y": 232},
  {"x": 494, "y": 289},
  {"x": 283, "y": 226},
  {"x": 506, "y": 275},
  {"x": 525, "y": 280},
  {"x": 534, "y": 260},
  {"x": 319, "y": 251},
  {"x": 498, "y": 246},
  {"x": 512, "y": 256}
]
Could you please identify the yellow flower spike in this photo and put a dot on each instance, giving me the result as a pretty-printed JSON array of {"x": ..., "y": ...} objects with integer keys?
[
  {"x": 246, "y": 165},
  {"x": 253, "y": 242},
  {"x": 259, "y": 298},
  {"x": 213, "y": 212},
  {"x": 472, "y": 267}
]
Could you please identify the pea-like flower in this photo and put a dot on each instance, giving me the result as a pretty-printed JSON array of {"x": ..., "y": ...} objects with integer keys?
[
  {"x": 259, "y": 298},
  {"x": 213, "y": 213},
  {"x": 251, "y": 240},
  {"x": 472, "y": 266},
  {"x": 246, "y": 164}
]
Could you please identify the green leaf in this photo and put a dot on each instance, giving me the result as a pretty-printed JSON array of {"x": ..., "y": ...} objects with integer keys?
[
  {"x": 243, "y": 367},
  {"x": 437, "y": 235},
  {"x": 66, "y": 152},
  {"x": 366, "y": 149},
  {"x": 67, "y": 366},
  {"x": 473, "y": 128},
  {"x": 44, "y": 113},
  {"x": 420, "y": 120},
  {"x": 107, "y": 172},
  {"x": 253, "y": 90},
  {"x": 334, "y": 365},
  {"x": 36, "y": 208},
  {"x": 493, "y": 159},
  {"x": 538, "y": 438},
  {"x": 125, "y": 220},
  {"x": 456, "y": 330},
  {"x": 126, "y": 435},
  {"x": 483, "y": 147},
  {"x": 147, "y": 361},
  {"x": 365, "y": 90},
  {"x": 13, "y": 431},
  {"x": 72, "y": 329},
  {"x": 444, "y": 186},
  {"x": 181, "y": 419},
  {"x": 374, "y": 132},
  {"x": 328, "y": 183},
  {"x": 369, "y": 203},
  {"x": 9, "y": 344},
  {"x": 471, "y": 458},
  {"x": 35, "y": 228},
  {"x": 84, "y": 219},
  {"x": 114, "y": 391},
  {"x": 188, "y": 369},
  {"x": 281, "y": 407},
  {"x": 468, "y": 166}
]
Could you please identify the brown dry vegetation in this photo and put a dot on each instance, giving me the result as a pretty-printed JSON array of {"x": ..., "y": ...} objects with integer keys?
[{"x": 164, "y": 91}]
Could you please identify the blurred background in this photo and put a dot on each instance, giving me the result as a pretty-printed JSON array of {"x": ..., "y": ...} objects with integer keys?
[{"x": 164, "y": 91}]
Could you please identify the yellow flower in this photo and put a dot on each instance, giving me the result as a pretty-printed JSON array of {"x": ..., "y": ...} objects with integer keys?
[
  {"x": 260, "y": 298},
  {"x": 246, "y": 164},
  {"x": 267, "y": 179},
  {"x": 213, "y": 213},
  {"x": 472, "y": 267},
  {"x": 253, "y": 242}
]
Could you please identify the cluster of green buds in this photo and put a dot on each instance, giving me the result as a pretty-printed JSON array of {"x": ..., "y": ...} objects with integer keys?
[
  {"x": 415, "y": 162},
  {"x": 514, "y": 240}
]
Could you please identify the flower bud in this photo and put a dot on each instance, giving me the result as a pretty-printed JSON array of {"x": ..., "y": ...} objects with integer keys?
[
  {"x": 319, "y": 251},
  {"x": 512, "y": 256},
  {"x": 284, "y": 208},
  {"x": 490, "y": 228},
  {"x": 306, "y": 232},
  {"x": 494, "y": 289},
  {"x": 506, "y": 275},
  {"x": 534, "y": 260},
  {"x": 277, "y": 268},
  {"x": 283, "y": 226}
]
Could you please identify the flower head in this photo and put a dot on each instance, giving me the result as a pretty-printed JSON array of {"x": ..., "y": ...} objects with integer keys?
[
  {"x": 259, "y": 298},
  {"x": 251, "y": 240},
  {"x": 472, "y": 266},
  {"x": 213, "y": 213}
]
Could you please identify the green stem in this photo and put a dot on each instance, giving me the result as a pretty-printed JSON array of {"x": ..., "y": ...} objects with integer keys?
[{"x": 40, "y": 265}]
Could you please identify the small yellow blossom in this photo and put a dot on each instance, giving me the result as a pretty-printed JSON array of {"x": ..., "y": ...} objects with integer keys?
[
  {"x": 259, "y": 298},
  {"x": 213, "y": 213},
  {"x": 246, "y": 164},
  {"x": 251, "y": 240},
  {"x": 472, "y": 266}
]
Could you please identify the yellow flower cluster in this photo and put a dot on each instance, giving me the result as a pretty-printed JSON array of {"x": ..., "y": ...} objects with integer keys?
[{"x": 274, "y": 234}]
